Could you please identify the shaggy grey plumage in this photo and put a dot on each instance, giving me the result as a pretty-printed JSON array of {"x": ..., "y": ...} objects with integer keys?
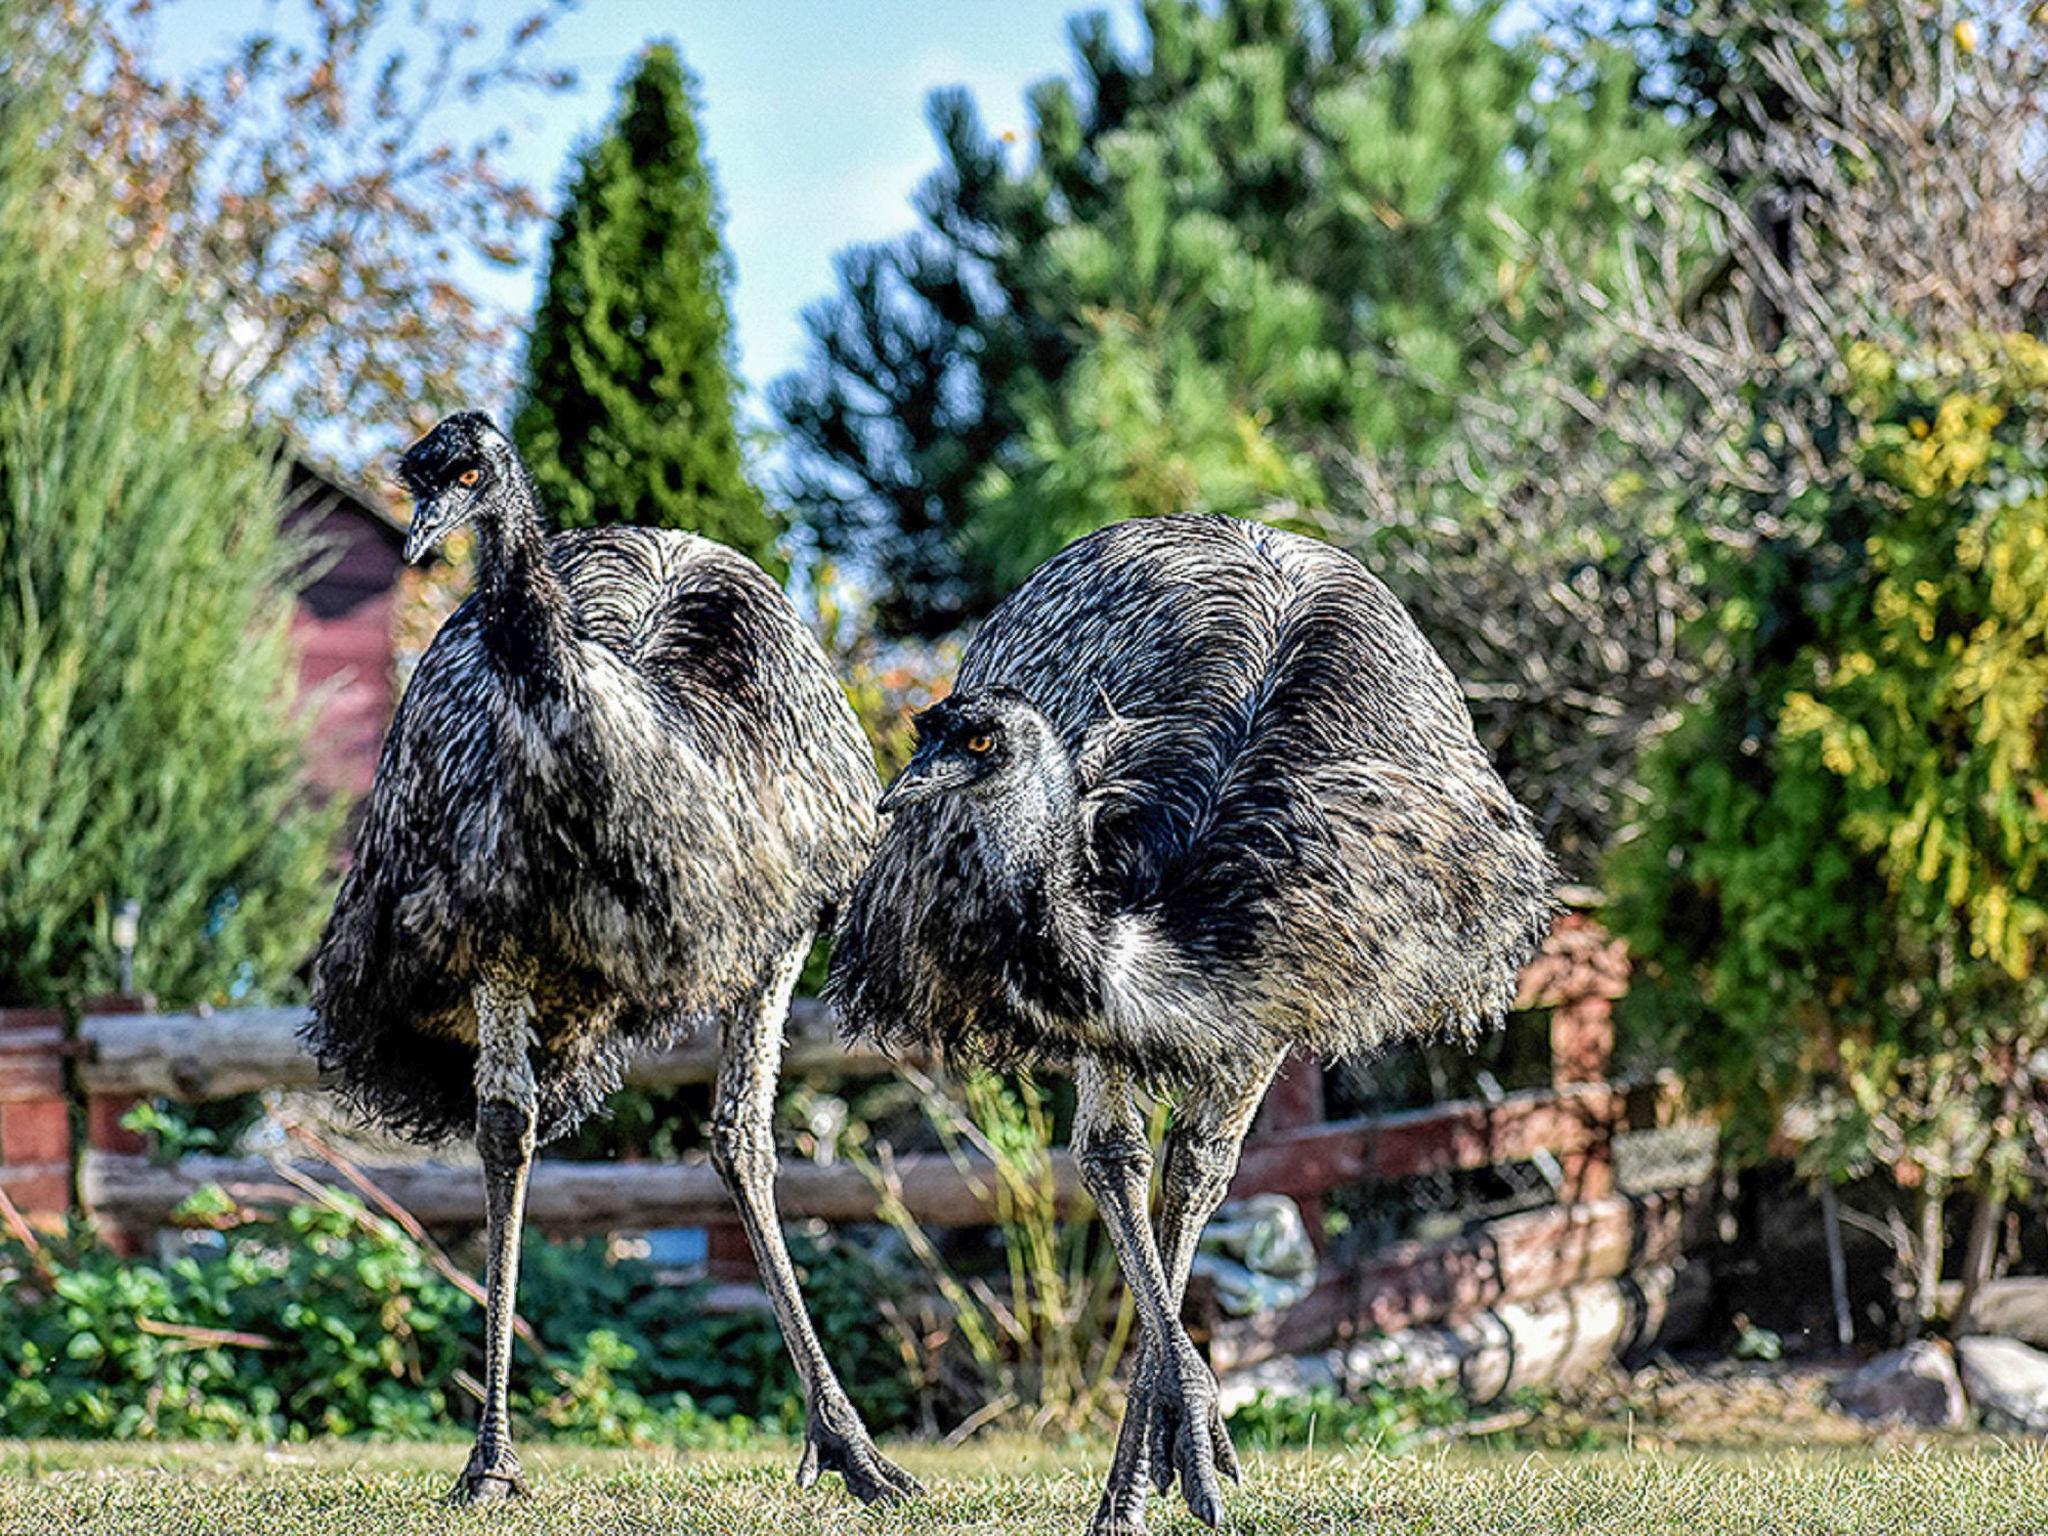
[
  {"x": 1203, "y": 794},
  {"x": 620, "y": 792}
]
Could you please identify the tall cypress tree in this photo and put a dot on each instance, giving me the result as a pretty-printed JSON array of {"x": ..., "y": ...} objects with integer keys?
[{"x": 627, "y": 413}]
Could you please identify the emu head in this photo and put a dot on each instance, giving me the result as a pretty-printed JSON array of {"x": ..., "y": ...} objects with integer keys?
[
  {"x": 457, "y": 472},
  {"x": 994, "y": 748}
]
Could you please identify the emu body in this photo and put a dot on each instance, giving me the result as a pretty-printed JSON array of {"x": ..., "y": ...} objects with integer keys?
[
  {"x": 1203, "y": 795},
  {"x": 620, "y": 792}
]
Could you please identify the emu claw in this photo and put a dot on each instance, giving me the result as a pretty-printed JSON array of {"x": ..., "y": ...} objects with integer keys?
[
  {"x": 490, "y": 1478},
  {"x": 1185, "y": 1436},
  {"x": 835, "y": 1441}
]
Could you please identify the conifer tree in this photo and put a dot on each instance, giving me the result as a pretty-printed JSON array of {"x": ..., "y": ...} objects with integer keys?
[
  {"x": 627, "y": 413},
  {"x": 1274, "y": 234}
]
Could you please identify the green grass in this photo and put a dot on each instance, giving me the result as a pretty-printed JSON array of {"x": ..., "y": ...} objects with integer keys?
[{"x": 350, "y": 1490}]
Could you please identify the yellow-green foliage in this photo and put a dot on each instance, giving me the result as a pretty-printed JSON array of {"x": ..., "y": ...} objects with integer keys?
[
  {"x": 1840, "y": 872},
  {"x": 1935, "y": 723}
]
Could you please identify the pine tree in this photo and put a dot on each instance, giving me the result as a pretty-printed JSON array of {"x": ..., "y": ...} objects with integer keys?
[
  {"x": 148, "y": 750},
  {"x": 627, "y": 413},
  {"x": 1272, "y": 235}
]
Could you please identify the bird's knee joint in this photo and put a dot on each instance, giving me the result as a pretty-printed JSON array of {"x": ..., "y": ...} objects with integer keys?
[
  {"x": 1201, "y": 1164},
  {"x": 1110, "y": 1162},
  {"x": 740, "y": 1150},
  {"x": 504, "y": 1131}
]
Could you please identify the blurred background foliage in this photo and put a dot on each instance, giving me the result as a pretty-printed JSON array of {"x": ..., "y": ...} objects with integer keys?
[{"x": 1677, "y": 365}]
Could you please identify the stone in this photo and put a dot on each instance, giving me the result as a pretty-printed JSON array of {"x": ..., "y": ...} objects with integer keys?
[
  {"x": 1284, "y": 1376},
  {"x": 1914, "y": 1385},
  {"x": 2007, "y": 1382},
  {"x": 2013, "y": 1309}
]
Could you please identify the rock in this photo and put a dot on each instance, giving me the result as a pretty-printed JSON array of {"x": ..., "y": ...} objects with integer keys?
[
  {"x": 2007, "y": 1382},
  {"x": 1914, "y": 1385},
  {"x": 2013, "y": 1309},
  {"x": 1282, "y": 1376}
]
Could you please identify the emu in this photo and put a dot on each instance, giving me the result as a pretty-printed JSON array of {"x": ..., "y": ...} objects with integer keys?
[
  {"x": 620, "y": 792},
  {"x": 1203, "y": 795}
]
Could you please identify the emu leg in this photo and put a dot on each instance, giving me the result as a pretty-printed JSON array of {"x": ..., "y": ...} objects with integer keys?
[
  {"x": 743, "y": 1147},
  {"x": 506, "y": 1100},
  {"x": 1115, "y": 1162},
  {"x": 1201, "y": 1154}
]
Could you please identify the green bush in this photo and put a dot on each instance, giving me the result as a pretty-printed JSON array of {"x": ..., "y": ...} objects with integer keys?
[
  {"x": 147, "y": 751},
  {"x": 1839, "y": 887},
  {"x": 327, "y": 1320}
]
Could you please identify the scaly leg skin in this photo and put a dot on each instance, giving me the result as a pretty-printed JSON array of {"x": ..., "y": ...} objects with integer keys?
[
  {"x": 1201, "y": 1156},
  {"x": 505, "y": 1109},
  {"x": 743, "y": 1147}
]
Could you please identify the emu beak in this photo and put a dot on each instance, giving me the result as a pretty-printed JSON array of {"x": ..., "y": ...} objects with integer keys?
[
  {"x": 925, "y": 779},
  {"x": 426, "y": 531},
  {"x": 909, "y": 788}
]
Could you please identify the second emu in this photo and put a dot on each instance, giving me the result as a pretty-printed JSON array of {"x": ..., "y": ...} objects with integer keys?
[
  {"x": 1203, "y": 795},
  {"x": 619, "y": 793}
]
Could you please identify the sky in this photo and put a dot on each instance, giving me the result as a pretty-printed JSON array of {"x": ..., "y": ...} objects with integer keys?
[{"x": 813, "y": 118}]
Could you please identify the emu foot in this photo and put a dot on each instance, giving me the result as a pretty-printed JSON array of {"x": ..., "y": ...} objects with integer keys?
[
  {"x": 1121, "y": 1512},
  {"x": 1184, "y": 1433},
  {"x": 1172, "y": 1428},
  {"x": 492, "y": 1477},
  {"x": 835, "y": 1440}
]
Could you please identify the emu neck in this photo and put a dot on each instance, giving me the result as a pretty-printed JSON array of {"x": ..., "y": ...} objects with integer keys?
[
  {"x": 528, "y": 612},
  {"x": 1032, "y": 846}
]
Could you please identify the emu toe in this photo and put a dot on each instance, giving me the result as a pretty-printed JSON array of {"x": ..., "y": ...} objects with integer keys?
[
  {"x": 488, "y": 1479},
  {"x": 1186, "y": 1438},
  {"x": 835, "y": 1441}
]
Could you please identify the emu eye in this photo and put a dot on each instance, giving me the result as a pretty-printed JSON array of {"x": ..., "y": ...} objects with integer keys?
[
  {"x": 470, "y": 476},
  {"x": 982, "y": 744}
]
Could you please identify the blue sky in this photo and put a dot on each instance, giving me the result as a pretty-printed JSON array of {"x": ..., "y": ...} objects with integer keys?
[{"x": 814, "y": 116}]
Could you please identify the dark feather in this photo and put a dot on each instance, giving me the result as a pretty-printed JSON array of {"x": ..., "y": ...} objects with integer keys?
[
  {"x": 647, "y": 792},
  {"x": 1286, "y": 832}
]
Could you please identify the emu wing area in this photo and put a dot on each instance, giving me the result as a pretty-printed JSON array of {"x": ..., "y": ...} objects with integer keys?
[
  {"x": 1285, "y": 792},
  {"x": 648, "y": 833}
]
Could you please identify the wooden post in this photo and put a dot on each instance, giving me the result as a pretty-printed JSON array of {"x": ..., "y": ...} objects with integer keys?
[
  {"x": 35, "y": 1115},
  {"x": 727, "y": 1255},
  {"x": 104, "y": 1131},
  {"x": 1577, "y": 976}
]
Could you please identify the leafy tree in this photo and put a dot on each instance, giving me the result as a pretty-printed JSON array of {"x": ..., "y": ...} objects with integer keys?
[
  {"x": 1270, "y": 234},
  {"x": 628, "y": 407},
  {"x": 1842, "y": 876},
  {"x": 1836, "y": 876},
  {"x": 316, "y": 193},
  {"x": 146, "y": 747}
]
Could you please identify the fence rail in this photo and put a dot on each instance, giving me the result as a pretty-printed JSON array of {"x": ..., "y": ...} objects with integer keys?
[
  {"x": 1574, "y": 1122},
  {"x": 121, "y": 1052},
  {"x": 194, "y": 1057}
]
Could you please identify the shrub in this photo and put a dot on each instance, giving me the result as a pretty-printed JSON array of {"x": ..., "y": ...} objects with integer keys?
[
  {"x": 146, "y": 747},
  {"x": 327, "y": 1320},
  {"x": 1840, "y": 886}
]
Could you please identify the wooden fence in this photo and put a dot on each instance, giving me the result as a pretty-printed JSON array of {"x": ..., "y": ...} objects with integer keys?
[{"x": 64, "y": 1092}]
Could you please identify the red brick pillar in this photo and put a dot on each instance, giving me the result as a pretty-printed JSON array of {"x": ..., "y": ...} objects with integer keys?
[
  {"x": 35, "y": 1115},
  {"x": 1578, "y": 975},
  {"x": 103, "y": 1114},
  {"x": 104, "y": 1111}
]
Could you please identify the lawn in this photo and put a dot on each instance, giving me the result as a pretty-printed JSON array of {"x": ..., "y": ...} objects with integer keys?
[{"x": 350, "y": 1490}]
